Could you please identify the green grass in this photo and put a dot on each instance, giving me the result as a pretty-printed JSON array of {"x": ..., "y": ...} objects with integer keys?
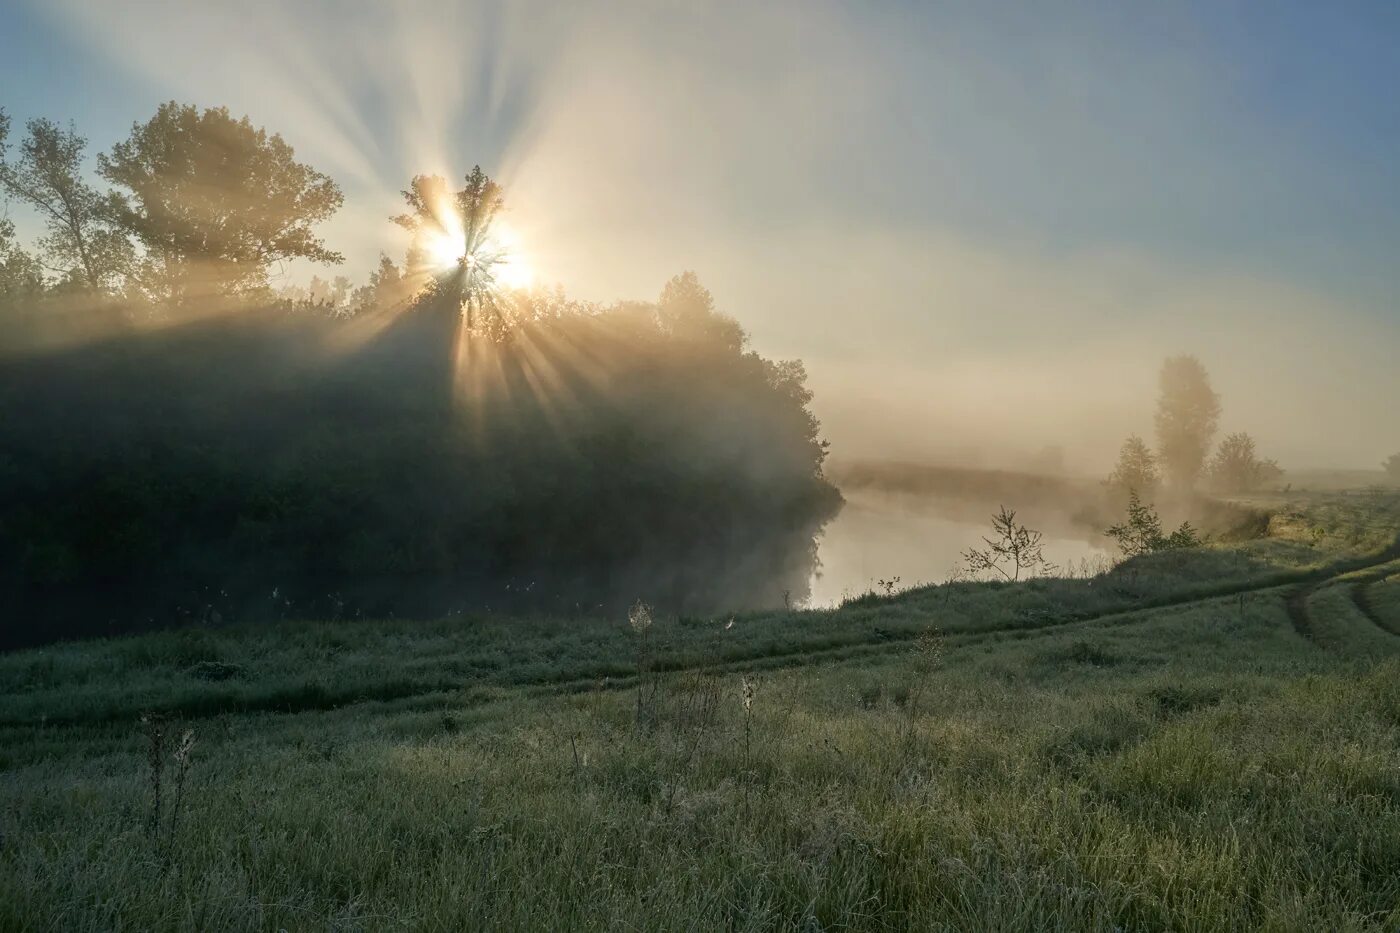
[{"x": 1157, "y": 748}]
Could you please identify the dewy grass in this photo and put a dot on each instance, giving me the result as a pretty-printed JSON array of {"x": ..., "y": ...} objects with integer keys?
[{"x": 1111, "y": 753}]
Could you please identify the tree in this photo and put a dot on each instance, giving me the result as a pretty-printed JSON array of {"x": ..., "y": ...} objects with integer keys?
[
  {"x": 388, "y": 287},
  {"x": 1188, "y": 411},
  {"x": 1142, "y": 532},
  {"x": 21, "y": 276},
  {"x": 1392, "y": 467},
  {"x": 215, "y": 201},
  {"x": 457, "y": 226},
  {"x": 1136, "y": 470},
  {"x": 687, "y": 310},
  {"x": 1014, "y": 549},
  {"x": 1236, "y": 467},
  {"x": 82, "y": 243}
]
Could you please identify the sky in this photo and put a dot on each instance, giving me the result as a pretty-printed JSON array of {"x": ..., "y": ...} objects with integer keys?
[{"x": 982, "y": 225}]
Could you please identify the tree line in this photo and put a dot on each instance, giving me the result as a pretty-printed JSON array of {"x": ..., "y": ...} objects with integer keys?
[
  {"x": 268, "y": 464},
  {"x": 1187, "y": 419}
]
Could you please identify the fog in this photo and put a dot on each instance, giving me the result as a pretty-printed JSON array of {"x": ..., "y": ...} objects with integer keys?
[{"x": 981, "y": 232}]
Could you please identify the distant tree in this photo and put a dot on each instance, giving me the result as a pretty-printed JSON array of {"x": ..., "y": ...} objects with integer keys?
[
  {"x": 21, "y": 275},
  {"x": 1188, "y": 411},
  {"x": 687, "y": 310},
  {"x": 1392, "y": 467},
  {"x": 215, "y": 201},
  {"x": 1141, "y": 533},
  {"x": 388, "y": 286},
  {"x": 1136, "y": 470},
  {"x": 465, "y": 219},
  {"x": 82, "y": 243},
  {"x": 1237, "y": 468},
  {"x": 1013, "y": 548}
]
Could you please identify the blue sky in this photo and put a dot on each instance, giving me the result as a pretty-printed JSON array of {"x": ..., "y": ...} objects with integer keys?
[{"x": 926, "y": 182}]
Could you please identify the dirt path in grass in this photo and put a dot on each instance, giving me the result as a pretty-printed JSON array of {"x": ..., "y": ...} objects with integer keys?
[
  {"x": 1361, "y": 595},
  {"x": 1297, "y": 602}
]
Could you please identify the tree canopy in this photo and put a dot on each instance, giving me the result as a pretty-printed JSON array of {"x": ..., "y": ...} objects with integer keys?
[
  {"x": 214, "y": 201},
  {"x": 83, "y": 244}
]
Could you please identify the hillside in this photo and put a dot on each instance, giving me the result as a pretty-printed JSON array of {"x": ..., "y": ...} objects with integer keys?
[{"x": 1205, "y": 739}]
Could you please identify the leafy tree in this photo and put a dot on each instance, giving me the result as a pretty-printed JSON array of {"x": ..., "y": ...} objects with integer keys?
[
  {"x": 388, "y": 287},
  {"x": 1142, "y": 532},
  {"x": 1136, "y": 470},
  {"x": 1188, "y": 411},
  {"x": 687, "y": 311},
  {"x": 1237, "y": 468},
  {"x": 82, "y": 243},
  {"x": 21, "y": 276},
  {"x": 215, "y": 201},
  {"x": 1013, "y": 549},
  {"x": 466, "y": 218},
  {"x": 1392, "y": 467}
]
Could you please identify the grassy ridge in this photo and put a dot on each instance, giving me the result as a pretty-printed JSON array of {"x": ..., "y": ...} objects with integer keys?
[{"x": 1155, "y": 748}]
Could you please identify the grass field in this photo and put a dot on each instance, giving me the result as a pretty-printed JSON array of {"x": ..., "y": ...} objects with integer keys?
[{"x": 1199, "y": 740}]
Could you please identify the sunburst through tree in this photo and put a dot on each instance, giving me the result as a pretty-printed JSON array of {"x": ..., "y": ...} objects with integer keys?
[{"x": 458, "y": 235}]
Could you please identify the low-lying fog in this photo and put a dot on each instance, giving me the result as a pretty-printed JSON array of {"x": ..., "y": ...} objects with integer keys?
[{"x": 920, "y": 539}]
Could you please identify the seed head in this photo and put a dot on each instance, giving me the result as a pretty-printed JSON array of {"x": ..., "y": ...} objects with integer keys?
[
  {"x": 182, "y": 752},
  {"x": 748, "y": 695},
  {"x": 639, "y": 617}
]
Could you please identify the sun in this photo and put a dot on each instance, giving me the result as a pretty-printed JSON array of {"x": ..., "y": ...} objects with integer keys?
[
  {"x": 444, "y": 249},
  {"x": 512, "y": 268},
  {"x": 509, "y": 268}
]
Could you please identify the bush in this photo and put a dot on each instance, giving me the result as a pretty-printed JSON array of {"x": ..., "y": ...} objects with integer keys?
[{"x": 1142, "y": 532}]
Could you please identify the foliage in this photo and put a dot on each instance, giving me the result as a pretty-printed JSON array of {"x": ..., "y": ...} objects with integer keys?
[
  {"x": 1015, "y": 548},
  {"x": 466, "y": 217},
  {"x": 1142, "y": 532},
  {"x": 1188, "y": 411},
  {"x": 1236, "y": 467},
  {"x": 83, "y": 244},
  {"x": 1392, "y": 466},
  {"x": 252, "y": 467},
  {"x": 214, "y": 201},
  {"x": 1136, "y": 470}
]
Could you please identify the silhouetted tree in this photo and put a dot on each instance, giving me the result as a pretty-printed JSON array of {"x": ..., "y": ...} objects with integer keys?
[
  {"x": 1136, "y": 470},
  {"x": 1392, "y": 467},
  {"x": 466, "y": 217},
  {"x": 1013, "y": 549},
  {"x": 1188, "y": 411},
  {"x": 215, "y": 201},
  {"x": 82, "y": 244}
]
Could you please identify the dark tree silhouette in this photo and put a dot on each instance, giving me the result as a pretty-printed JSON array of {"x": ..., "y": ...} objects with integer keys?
[{"x": 466, "y": 217}]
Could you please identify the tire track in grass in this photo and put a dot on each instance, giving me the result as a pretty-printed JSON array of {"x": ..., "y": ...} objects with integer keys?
[
  {"x": 292, "y": 699},
  {"x": 1297, "y": 603},
  {"x": 1361, "y": 596}
]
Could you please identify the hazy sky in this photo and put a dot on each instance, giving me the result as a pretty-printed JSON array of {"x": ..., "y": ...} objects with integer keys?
[{"x": 981, "y": 224}]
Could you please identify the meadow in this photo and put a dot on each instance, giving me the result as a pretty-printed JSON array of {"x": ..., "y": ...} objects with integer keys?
[{"x": 1204, "y": 739}]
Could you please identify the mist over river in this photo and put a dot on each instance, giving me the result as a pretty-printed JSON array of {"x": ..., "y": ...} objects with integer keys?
[{"x": 919, "y": 539}]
